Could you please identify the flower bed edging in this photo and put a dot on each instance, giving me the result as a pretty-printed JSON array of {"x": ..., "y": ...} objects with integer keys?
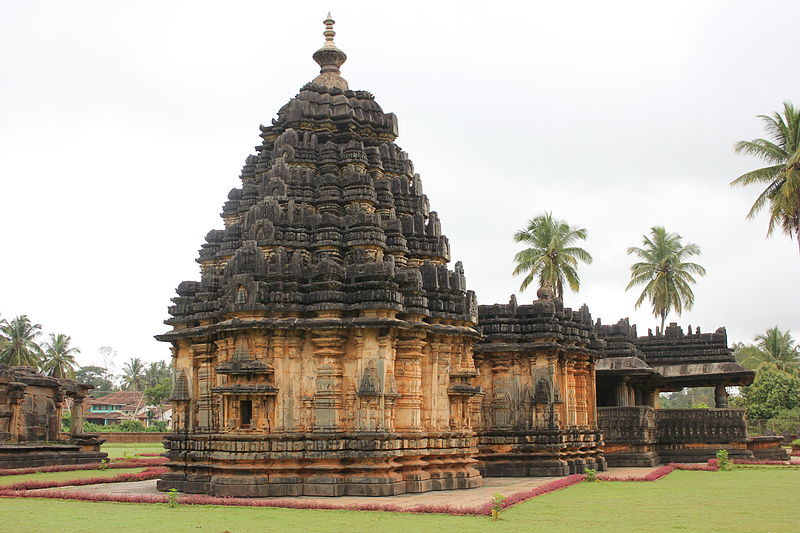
[
  {"x": 148, "y": 473},
  {"x": 140, "y": 463}
]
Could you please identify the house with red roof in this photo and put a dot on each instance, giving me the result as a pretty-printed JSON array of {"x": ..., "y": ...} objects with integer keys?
[{"x": 115, "y": 407}]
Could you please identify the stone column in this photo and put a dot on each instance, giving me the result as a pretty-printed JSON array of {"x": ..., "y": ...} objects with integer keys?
[
  {"x": 649, "y": 396},
  {"x": 721, "y": 397},
  {"x": 622, "y": 393},
  {"x": 76, "y": 427},
  {"x": 638, "y": 397},
  {"x": 592, "y": 398},
  {"x": 16, "y": 394},
  {"x": 408, "y": 374}
]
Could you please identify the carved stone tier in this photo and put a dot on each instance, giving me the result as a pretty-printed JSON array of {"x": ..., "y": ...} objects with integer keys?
[
  {"x": 316, "y": 464},
  {"x": 644, "y": 436},
  {"x": 539, "y": 452}
]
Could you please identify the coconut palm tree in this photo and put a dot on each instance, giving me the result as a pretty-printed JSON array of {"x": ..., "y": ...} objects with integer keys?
[
  {"x": 774, "y": 347},
  {"x": 552, "y": 256},
  {"x": 156, "y": 372},
  {"x": 133, "y": 376},
  {"x": 664, "y": 272},
  {"x": 19, "y": 345},
  {"x": 782, "y": 177},
  {"x": 59, "y": 357}
]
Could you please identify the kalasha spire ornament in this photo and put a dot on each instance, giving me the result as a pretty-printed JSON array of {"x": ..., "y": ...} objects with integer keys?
[{"x": 330, "y": 59}]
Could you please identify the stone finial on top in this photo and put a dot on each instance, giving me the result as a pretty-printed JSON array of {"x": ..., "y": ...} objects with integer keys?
[{"x": 330, "y": 58}]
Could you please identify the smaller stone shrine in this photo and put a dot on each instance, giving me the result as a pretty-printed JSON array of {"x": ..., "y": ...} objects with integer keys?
[
  {"x": 31, "y": 406},
  {"x": 536, "y": 365},
  {"x": 633, "y": 373}
]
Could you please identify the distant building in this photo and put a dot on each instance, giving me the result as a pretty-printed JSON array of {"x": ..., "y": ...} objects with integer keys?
[{"x": 125, "y": 405}]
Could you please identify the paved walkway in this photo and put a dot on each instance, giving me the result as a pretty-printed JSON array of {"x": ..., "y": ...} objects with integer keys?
[{"x": 470, "y": 497}]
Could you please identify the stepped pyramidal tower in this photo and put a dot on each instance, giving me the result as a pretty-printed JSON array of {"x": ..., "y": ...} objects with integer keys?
[{"x": 327, "y": 348}]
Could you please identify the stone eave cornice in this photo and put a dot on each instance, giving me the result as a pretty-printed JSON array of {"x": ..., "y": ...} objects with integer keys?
[
  {"x": 314, "y": 324},
  {"x": 491, "y": 347}
]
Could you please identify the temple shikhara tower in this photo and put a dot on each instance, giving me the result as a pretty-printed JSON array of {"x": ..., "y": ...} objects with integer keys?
[{"x": 327, "y": 348}]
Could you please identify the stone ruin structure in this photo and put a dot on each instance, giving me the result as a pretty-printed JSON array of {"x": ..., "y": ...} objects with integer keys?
[
  {"x": 31, "y": 405},
  {"x": 328, "y": 349},
  {"x": 633, "y": 372},
  {"x": 537, "y": 368}
]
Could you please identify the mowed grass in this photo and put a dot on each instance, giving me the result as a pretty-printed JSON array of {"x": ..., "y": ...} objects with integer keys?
[
  {"x": 742, "y": 500},
  {"x": 62, "y": 476},
  {"x": 131, "y": 449}
]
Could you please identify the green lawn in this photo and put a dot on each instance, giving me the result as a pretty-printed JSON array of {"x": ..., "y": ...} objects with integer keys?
[
  {"x": 61, "y": 476},
  {"x": 120, "y": 449},
  {"x": 742, "y": 500}
]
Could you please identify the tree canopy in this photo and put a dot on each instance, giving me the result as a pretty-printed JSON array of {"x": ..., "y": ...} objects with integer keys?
[
  {"x": 772, "y": 392},
  {"x": 663, "y": 270},
  {"x": 552, "y": 256},
  {"x": 59, "y": 357},
  {"x": 97, "y": 376},
  {"x": 781, "y": 151},
  {"x": 133, "y": 374},
  {"x": 18, "y": 345},
  {"x": 774, "y": 347}
]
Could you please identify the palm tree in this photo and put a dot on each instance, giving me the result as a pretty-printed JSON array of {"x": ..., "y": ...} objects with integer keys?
[
  {"x": 664, "y": 273},
  {"x": 551, "y": 256},
  {"x": 782, "y": 177},
  {"x": 133, "y": 374},
  {"x": 59, "y": 357},
  {"x": 156, "y": 372},
  {"x": 19, "y": 348},
  {"x": 774, "y": 347}
]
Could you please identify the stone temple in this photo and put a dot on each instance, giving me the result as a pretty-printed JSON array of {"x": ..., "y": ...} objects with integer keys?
[{"x": 329, "y": 348}]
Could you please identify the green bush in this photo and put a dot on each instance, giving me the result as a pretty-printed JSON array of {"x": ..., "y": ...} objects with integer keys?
[
  {"x": 497, "y": 505},
  {"x": 158, "y": 426},
  {"x": 723, "y": 461}
]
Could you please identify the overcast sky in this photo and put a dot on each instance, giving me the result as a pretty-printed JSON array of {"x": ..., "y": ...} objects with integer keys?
[{"x": 124, "y": 124}]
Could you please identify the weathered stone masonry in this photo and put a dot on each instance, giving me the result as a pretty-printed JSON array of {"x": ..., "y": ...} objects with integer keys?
[{"x": 536, "y": 366}]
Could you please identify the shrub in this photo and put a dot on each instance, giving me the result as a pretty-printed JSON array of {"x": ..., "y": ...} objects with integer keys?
[
  {"x": 723, "y": 462},
  {"x": 591, "y": 475},
  {"x": 172, "y": 498},
  {"x": 497, "y": 505},
  {"x": 159, "y": 426}
]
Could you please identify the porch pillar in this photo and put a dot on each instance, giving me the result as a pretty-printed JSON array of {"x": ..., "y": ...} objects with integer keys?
[
  {"x": 721, "y": 397},
  {"x": 622, "y": 393},
  {"x": 76, "y": 426}
]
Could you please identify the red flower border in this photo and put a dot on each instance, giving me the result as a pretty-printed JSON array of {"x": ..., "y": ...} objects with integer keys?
[{"x": 132, "y": 462}]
